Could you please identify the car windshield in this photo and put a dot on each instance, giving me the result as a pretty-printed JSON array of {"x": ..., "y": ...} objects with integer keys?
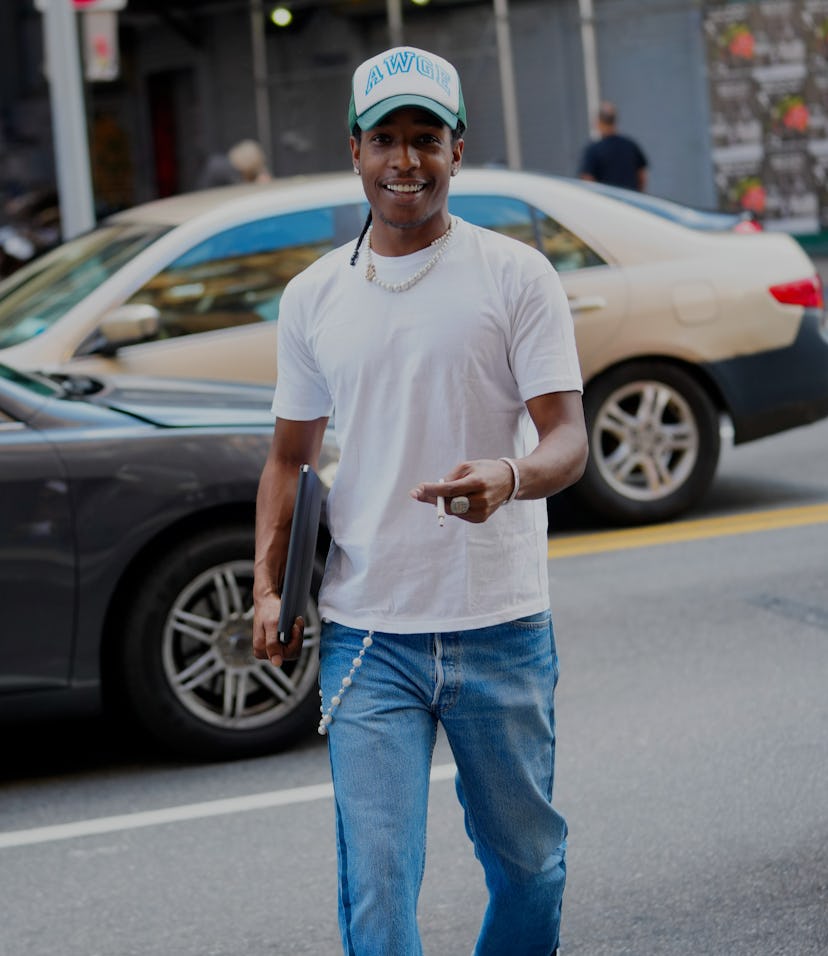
[
  {"x": 43, "y": 386},
  {"x": 35, "y": 297}
]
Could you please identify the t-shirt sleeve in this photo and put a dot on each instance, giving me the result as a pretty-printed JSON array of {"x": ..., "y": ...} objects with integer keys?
[
  {"x": 301, "y": 391},
  {"x": 543, "y": 354},
  {"x": 641, "y": 158},
  {"x": 588, "y": 161}
]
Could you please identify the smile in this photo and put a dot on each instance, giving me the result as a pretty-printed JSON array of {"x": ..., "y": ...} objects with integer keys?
[{"x": 403, "y": 188}]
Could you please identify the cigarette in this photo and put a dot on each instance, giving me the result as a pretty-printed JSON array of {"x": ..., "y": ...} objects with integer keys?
[{"x": 441, "y": 509}]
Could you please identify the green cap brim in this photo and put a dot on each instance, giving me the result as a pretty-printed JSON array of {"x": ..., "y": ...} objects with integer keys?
[{"x": 375, "y": 114}]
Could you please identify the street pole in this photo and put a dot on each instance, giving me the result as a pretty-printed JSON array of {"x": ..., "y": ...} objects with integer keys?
[
  {"x": 590, "y": 54},
  {"x": 395, "y": 21},
  {"x": 261, "y": 80},
  {"x": 511, "y": 126},
  {"x": 74, "y": 180}
]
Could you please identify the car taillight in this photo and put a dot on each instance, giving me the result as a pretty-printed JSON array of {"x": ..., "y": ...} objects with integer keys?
[{"x": 804, "y": 292}]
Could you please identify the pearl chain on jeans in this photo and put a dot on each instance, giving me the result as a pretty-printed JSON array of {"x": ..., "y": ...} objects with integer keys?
[
  {"x": 336, "y": 700},
  {"x": 440, "y": 244}
]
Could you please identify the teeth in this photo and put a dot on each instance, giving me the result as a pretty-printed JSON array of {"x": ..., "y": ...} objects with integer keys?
[{"x": 399, "y": 188}]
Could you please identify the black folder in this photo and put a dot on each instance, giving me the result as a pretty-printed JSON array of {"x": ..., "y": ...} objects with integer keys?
[{"x": 301, "y": 550}]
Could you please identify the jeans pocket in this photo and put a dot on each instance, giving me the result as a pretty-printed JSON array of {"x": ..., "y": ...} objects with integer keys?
[
  {"x": 534, "y": 622},
  {"x": 338, "y": 635}
]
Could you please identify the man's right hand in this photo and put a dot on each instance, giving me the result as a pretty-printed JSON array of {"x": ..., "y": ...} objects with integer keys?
[{"x": 266, "y": 644}]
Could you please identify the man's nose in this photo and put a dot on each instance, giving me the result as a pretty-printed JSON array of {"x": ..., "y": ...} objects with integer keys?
[{"x": 406, "y": 156}]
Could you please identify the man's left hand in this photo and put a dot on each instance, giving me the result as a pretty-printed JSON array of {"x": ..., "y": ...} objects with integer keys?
[{"x": 487, "y": 483}]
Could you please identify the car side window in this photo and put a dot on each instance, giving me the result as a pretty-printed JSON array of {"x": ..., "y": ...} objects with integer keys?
[
  {"x": 518, "y": 219},
  {"x": 237, "y": 276}
]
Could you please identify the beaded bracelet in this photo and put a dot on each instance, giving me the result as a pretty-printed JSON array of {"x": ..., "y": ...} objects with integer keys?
[{"x": 515, "y": 475}]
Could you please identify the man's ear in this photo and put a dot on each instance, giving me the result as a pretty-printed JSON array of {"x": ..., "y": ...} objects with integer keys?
[
  {"x": 354, "y": 143},
  {"x": 457, "y": 156}
]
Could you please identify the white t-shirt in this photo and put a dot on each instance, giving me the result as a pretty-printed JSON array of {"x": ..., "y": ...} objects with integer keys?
[{"x": 417, "y": 382}]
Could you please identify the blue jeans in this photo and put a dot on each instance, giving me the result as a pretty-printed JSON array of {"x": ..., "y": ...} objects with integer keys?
[{"x": 493, "y": 691}]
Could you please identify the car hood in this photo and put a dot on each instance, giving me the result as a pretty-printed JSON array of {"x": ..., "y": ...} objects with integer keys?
[{"x": 173, "y": 403}]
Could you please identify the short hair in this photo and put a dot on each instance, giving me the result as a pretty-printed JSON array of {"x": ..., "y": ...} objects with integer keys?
[
  {"x": 608, "y": 114},
  {"x": 248, "y": 158}
]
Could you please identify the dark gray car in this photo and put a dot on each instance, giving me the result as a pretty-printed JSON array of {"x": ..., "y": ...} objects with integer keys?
[{"x": 126, "y": 560}]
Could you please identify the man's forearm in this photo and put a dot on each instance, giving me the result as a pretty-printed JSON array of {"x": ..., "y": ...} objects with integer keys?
[
  {"x": 274, "y": 511},
  {"x": 556, "y": 463},
  {"x": 560, "y": 457},
  {"x": 294, "y": 444}
]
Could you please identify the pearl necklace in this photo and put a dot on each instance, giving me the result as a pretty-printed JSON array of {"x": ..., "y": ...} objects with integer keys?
[{"x": 440, "y": 244}]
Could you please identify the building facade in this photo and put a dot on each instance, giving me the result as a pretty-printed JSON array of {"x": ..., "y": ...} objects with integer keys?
[{"x": 188, "y": 88}]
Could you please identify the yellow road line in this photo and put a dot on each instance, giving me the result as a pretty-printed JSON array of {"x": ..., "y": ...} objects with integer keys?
[{"x": 567, "y": 546}]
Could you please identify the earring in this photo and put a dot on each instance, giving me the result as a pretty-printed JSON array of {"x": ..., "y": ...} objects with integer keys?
[
  {"x": 454, "y": 170},
  {"x": 356, "y": 170}
]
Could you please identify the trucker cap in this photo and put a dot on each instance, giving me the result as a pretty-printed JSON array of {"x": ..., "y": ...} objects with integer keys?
[{"x": 405, "y": 76}]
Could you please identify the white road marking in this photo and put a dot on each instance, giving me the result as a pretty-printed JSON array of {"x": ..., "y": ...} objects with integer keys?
[{"x": 189, "y": 811}]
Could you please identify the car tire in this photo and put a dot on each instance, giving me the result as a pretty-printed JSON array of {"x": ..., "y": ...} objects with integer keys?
[
  {"x": 654, "y": 443},
  {"x": 186, "y": 664}
]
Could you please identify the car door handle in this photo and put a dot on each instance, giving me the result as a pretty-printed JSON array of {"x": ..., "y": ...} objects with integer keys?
[{"x": 587, "y": 303}]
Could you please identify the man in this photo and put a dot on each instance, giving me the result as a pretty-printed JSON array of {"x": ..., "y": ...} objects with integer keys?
[
  {"x": 446, "y": 353},
  {"x": 243, "y": 163},
  {"x": 614, "y": 159}
]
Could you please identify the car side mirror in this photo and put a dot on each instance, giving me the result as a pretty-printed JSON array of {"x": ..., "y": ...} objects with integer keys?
[{"x": 128, "y": 324}]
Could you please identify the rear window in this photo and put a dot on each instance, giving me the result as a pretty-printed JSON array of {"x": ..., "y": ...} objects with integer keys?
[{"x": 516, "y": 218}]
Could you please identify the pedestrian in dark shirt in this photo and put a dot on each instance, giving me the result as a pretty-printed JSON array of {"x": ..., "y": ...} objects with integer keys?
[{"x": 613, "y": 159}]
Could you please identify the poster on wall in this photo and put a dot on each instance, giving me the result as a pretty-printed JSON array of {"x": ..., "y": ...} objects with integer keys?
[{"x": 768, "y": 80}]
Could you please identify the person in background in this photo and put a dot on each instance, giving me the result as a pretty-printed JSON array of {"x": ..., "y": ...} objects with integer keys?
[
  {"x": 243, "y": 163},
  {"x": 446, "y": 355},
  {"x": 249, "y": 159},
  {"x": 613, "y": 159}
]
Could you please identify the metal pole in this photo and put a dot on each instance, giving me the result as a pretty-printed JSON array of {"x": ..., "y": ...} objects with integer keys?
[
  {"x": 591, "y": 79},
  {"x": 511, "y": 126},
  {"x": 74, "y": 180},
  {"x": 261, "y": 84},
  {"x": 395, "y": 21}
]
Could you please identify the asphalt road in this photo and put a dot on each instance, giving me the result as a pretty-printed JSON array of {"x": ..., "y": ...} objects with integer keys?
[{"x": 692, "y": 768}]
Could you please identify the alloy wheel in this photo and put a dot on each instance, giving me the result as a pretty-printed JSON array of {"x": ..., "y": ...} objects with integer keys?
[
  {"x": 208, "y": 658},
  {"x": 645, "y": 440}
]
